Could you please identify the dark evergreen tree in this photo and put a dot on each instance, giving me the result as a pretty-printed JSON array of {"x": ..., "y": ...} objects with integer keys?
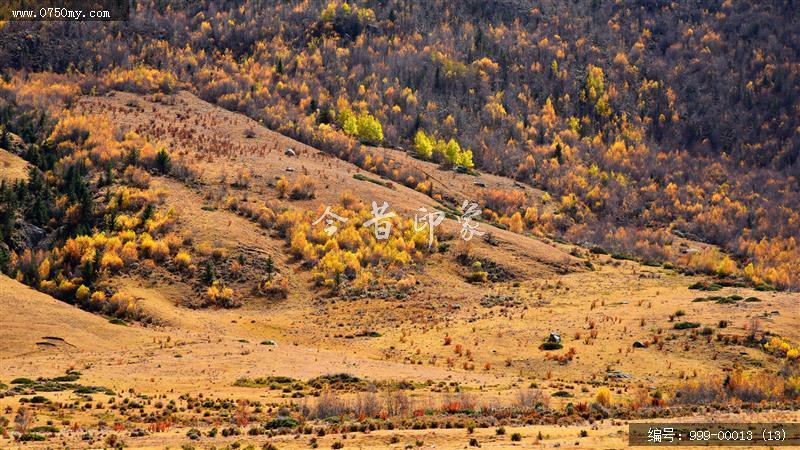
[
  {"x": 270, "y": 267},
  {"x": 5, "y": 139},
  {"x": 163, "y": 162}
]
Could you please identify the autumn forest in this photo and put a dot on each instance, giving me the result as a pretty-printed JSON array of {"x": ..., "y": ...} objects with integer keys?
[
  {"x": 627, "y": 173},
  {"x": 643, "y": 120}
]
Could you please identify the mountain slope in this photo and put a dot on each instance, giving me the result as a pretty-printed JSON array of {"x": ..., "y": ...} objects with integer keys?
[{"x": 34, "y": 323}]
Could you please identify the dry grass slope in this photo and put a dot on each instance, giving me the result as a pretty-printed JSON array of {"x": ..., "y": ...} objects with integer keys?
[
  {"x": 33, "y": 322},
  {"x": 12, "y": 167}
]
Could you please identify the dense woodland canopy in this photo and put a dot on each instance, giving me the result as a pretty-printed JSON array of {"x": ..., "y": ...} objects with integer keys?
[{"x": 636, "y": 116}]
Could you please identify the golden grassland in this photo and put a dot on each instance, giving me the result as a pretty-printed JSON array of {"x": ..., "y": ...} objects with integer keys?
[{"x": 461, "y": 330}]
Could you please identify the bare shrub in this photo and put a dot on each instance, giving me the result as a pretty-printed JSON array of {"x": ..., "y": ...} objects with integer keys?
[
  {"x": 329, "y": 404},
  {"x": 493, "y": 406},
  {"x": 23, "y": 420},
  {"x": 367, "y": 405},
  {"x": 528, "y": 399},
  {"x": 640, "y": 399},
  {"x": 350, "y": 202},
  {"x": 242, "y": 414},
  {"x": 397, "y": 403}
]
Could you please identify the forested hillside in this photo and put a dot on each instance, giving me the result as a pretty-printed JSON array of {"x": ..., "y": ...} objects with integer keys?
[
  {"x": 398, "y": 223},
  {"x": 642, "y": 119}
]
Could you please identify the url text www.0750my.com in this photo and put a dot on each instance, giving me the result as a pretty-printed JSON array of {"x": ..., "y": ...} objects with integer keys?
[
  {"x": 64, "y": 10},
  {"x": 53, "y": 13}
]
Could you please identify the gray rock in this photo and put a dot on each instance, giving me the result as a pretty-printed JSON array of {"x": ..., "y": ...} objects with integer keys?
[
  {"x": 51, "y": 239},
  {"x": 27, "y": 235},
  {"x": 617, "y": 374}
]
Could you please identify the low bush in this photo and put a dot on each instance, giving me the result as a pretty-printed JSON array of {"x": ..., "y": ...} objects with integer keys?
[
  {"x": 220, "y": 295},
  {"x": 705, "y": 286},
  {"x": 281, "y": 422},
  {"x": 551, "y": 346},
  {"x": 686, "y": 325},
  {"x": 478, "y": 276},
  {"x": 44, "y": 429},
  {"x": 276, "y": 288},
  {"x": 183, "y": 260},
  {"x": 31, "y": 437}
]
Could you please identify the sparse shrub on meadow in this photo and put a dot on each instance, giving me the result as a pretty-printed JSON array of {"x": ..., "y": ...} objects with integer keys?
[
  {"x": 282, "y": 187},
  {"x": 183, "y": 260},
  {"x": 275, "y": 288},
  {"x": 154, "y": 249},
  {"x": 220, "y": 295},
  {"x": 604, "y": 397},
  {"x": 137, "y": 177},
  {"x": 111, "y": 260},
  {"x": 121, "y": 304},
  {"x": 303, "y": 188}
]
